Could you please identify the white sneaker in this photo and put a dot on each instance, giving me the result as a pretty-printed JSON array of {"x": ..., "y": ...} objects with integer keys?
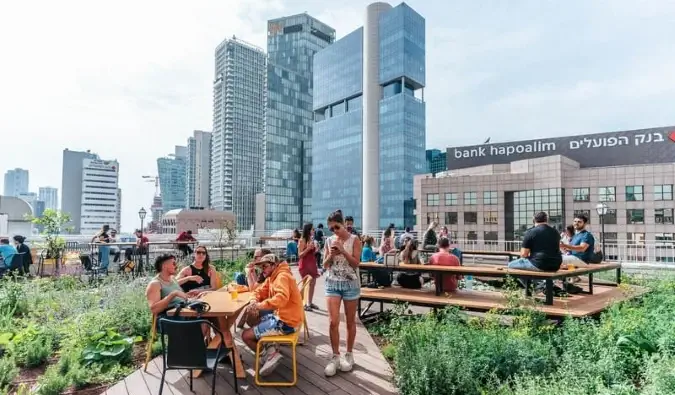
[
  {"x": 273, "y": 359},
  {"x": 347, "y": 364},
  {"x": 332, "y": 367}
]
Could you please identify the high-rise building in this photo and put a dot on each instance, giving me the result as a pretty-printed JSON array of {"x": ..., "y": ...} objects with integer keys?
[
  {"x": 16, "y": 182},
  {"x": 437, "y": 161},
  {"x": 172, "y": 172},
  {"x": 291, "y": 44},
  {"x": 118, "y": 224},
  {"x": 238, "y": 139},
  {"x": 100, "y": 195},
  {"x": 71, "y": 185},
  {"x": 369, "y": 136},
  {"x": 50, "y": 196},
  {"x": 198, "y": 169}
]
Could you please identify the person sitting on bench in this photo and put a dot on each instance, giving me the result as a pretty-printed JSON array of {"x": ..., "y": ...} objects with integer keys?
[
  {"x": 185, "y": 247},
  {"x": 446, "y": 258},
  {"x": 410, "y": 256},
  {"x": 540, "y": 250},
  {"x": 582, "y": 246}
]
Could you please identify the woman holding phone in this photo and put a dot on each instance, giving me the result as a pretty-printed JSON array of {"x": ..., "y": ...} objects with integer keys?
[{"x": 343, "y": 286}]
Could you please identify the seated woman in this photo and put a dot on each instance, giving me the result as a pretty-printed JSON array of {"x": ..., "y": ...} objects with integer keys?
[
  {"x": 410, "y": 256},
  {"x": 200, "y": 275},
  {"x": 367, "y": 253}
]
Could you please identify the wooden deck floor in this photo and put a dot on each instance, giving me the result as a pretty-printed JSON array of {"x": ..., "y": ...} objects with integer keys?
[{"x": 371, "y": 375}]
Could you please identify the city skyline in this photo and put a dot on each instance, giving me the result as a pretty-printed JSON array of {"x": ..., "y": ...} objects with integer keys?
[{"x": 503, "y": 72}]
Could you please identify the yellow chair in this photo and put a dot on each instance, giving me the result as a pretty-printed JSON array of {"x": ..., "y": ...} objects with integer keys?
[
  {"x": 290, "y": 340},
  {"x": 148, "y": 347}
]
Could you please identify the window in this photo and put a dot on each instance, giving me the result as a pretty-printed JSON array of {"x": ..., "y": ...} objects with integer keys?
[
  {"x": 470, "y": 198},
  {"x": 451, "y": 218},
  {"x": 470, "y": 218},
  {"x": 635, "y": 216},
  {"x": 607, "y": 194},
  {"x": 610, "y": 238},
  {"x": 635, "y": 238},
  {"x": 581, "y": 194},
  {"x": 663, "y": 192},
  {"x": 490, "y": 217},
  {"x": 471, "y": 237},
  {"x": 431, "y": 217},
  {"x": 432, "y": 199},
  {"x": 450, "y": 199},
  {"x": 634, "y": 193},
  {"x": 587, "y": 213},
  {"x": 490, "y": 197},
  {"x": 610, "y": 217},
  {"x": 491, "y": 238},
  {"x": 663, "y": 216}
]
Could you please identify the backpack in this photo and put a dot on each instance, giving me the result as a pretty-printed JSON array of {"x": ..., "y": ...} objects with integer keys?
[
  {"x": 458, "y": 253},
  {"x": 597, "y": 257}
]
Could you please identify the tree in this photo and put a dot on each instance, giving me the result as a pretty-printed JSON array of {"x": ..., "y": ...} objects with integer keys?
[
  {"x": 52, "y": 223},
  {"x": 226, "y": 235}
]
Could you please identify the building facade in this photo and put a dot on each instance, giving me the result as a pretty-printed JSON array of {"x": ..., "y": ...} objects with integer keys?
[
  {"x": 100, "y": 193},
  {"x": 437, "y": 161},
  {"x": 71, "y": 185},
  {"x": 198, "y": 165},
  {"x": 238, "y": 140},
  {"x": 491, "y": 192},
  {"x": 16, "y": 182},
  {"x": 369, "y": 108},
  {"x": 50, "y": 196},
  {"x": 172, "y": 172},
  {"x": 31, "y": 198},
  {"x": 291, "y": 44}
]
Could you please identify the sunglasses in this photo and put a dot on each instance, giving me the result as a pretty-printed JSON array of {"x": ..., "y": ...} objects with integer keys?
[
  {"x": 201, "y": 252},
  {"x": 335, "y": 228}
]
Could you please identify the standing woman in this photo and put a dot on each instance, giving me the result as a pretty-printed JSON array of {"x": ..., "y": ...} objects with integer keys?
[
  {"x": 27, "y": 258},
  {"x": 342, "y": 286},
  {"x": 200, "y": 275},
  {"x": 307, "y": 264}
]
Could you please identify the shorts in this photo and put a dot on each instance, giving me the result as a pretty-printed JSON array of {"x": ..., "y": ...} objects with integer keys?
[
  {"x": 345, "y": 294},
  {"x": 271, "y": 325}
]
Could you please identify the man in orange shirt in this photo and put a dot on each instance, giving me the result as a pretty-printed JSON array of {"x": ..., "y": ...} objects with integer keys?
[
  {"x": 445, "y": 258},
  {"x": 280, "y": 294}
]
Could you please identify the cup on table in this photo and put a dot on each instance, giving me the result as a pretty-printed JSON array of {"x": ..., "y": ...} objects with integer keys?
[
  {"x": 234, "y": 293},
  {"x": 570, "y": 266}
]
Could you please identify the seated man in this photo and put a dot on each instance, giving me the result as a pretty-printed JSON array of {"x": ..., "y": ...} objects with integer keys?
[
  {"x": 445, "y": 258},
  {"x": 184, "y": 247},
  {"x": 164, "y": 292},
  {"x": 540, "y": 250},
  {"x": 582, "y": 245},
  {"x": 252, "y": 279},
  {"x": 280, "y": 294}
]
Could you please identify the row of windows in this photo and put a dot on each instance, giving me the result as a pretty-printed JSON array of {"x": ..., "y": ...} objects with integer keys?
[
  {"x": 633, "y": 193},
  {"x": 470, "y": 198}
]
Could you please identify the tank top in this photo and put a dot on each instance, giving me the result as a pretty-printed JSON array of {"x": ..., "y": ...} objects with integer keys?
[
  {"x": 190, "y": 285},
  {"x": 167, "y": 288},
  {"x": 341, "y": 275}
]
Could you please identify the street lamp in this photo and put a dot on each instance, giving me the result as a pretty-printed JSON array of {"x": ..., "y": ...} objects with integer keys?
[
  {"x": 141, "y": 215},
  {"x": 602, "y": 208}
]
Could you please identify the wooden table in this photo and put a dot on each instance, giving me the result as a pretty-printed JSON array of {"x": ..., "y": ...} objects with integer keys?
[
  {"x": 224, "y": 311},
  {"x": 511, "y": 255}
]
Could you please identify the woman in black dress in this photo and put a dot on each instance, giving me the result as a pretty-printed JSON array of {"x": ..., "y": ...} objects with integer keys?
[
  {"x": 26, "y": 257},
  {"x": 201, "y": 275}
]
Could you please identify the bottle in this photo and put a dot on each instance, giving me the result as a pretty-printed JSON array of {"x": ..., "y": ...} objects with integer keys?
[{"x": 468, "y": 282}]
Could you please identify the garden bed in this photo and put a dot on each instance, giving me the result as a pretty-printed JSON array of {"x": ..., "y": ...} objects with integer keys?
[{"x": 629, "y": 350}]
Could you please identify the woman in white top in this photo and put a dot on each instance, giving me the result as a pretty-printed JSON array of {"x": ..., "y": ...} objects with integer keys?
[{"x": 343, "y": 286}]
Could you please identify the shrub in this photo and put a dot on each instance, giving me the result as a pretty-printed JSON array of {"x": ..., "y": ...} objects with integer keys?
[
  {"x": 52, "y": 383},
  {"x": 8, "y": 372}
]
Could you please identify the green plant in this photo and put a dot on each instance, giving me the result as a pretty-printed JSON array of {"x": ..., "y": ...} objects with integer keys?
[
  {"x": 52, "y": 224},
  {"x": 107, "y": 348},
  {"x": 31, "y": 346},
  {"x": 52, "y": 383},
  {"x": 8, "y": 372}
]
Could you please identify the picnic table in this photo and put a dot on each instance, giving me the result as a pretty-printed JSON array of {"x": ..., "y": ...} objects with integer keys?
[
  {"x": 500, "y": 272},
  {"x": 224, "y": 312},
  {"x": 511, "y": 255}
]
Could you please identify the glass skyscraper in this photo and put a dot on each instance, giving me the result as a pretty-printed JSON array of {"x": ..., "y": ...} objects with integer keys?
[
  {"x": 172, "y": 172},
  {"x": 291, "y": 44},
  {"x": 198, "y": 163},
  {"x": 238, "y": 137},
  {"x": 437, "y": 161},
  {"x": 369, "y": 135}
]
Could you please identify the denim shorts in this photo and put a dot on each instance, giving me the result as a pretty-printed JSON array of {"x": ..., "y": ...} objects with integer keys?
[
  {"x": 271, "y": 325},
  {"x": 523, "y": 264},
  {"x": 345, "y": 294}
]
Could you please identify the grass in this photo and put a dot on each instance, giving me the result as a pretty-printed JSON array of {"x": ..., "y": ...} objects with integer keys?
[
  {"x": 629, "y": 350},
  {"x": 59, "y": 334}
]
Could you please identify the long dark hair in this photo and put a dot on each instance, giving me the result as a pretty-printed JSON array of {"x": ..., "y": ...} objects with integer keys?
[
  {"x": 307, "y": 231},
  {"x": 207, "y": 258}
]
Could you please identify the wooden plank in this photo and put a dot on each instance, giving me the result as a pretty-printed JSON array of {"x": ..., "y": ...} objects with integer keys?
[
  {"x": 136, "y": 384},
  {"x": 153, "y": 377},
  {"x": 117, "y": 389},
  {"x": 172, "y": 379},
  {"x": 493, "y": 270}
]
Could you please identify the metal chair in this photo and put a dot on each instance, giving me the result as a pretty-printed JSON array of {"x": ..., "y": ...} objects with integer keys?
[{"x": 183, "y": 348}]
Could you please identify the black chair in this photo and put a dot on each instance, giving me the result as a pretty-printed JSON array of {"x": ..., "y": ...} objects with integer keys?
[{"x": 185, "y": 349}]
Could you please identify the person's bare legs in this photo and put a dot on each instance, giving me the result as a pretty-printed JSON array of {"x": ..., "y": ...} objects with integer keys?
[
  {"x": 312, "y": 285},
  {"x": 333, "y": 303},
  {"x": 350, "y": 317}
]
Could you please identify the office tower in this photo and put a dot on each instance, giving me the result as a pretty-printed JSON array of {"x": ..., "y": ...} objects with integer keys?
[
  {"x": 50, "y": 196},
  {"x": 237, "y": 145},
  {"x": 100, "y": 195},
  {"x": 16, "y": 182},
  {"x": 291, "y": 44},
  {"x": 437, "y": 161},
  {"x": 118, "y": 222},
  {"x": 198, "y": 169},
  {"x": 369, "y": 108},
  {"x": 71, "y": 185},
  {"x": 172, "y": 171}
]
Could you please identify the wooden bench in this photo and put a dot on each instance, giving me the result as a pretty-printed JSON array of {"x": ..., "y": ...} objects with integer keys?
[
  {"x": 495, "y": 271},
  {"x": 575, "y": 305},
  {"x": 510, "y": 255}
]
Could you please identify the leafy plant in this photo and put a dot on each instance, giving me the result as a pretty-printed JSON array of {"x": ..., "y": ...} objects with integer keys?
[
  {"x": 31, "y": 346},
  {"x": 108, "y": 347},
  {"x": 52, "y": 222},
  {"x": 52, "y": 383},
  {"x": 8, "y": 372}
]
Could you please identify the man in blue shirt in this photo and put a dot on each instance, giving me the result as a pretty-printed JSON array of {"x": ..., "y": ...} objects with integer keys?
[
  {"x": 7, "y": 252},
  {"x": 582, "y": 245}
]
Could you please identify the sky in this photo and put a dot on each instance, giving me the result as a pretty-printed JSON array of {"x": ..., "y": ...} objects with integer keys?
[{"x": 129, "y": 80}]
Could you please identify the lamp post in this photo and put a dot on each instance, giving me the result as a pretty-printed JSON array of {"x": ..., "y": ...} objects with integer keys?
[
  {"x": 601, "y": 208},
  {"x": 141, "y": 215}
]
